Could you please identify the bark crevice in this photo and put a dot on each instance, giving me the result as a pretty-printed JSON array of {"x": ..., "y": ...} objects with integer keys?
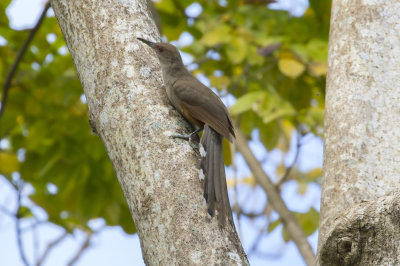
[{"x": 365, "y": 234}]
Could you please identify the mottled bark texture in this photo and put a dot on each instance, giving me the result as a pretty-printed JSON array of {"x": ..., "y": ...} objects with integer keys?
[
  {"x": 130, "y": 112},
  {"x": 365, "y": 234},
  {"x": 359, "y": 222}
]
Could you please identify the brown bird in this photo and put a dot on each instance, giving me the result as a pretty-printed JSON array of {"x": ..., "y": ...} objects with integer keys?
[{"x": 204, "y": 110}]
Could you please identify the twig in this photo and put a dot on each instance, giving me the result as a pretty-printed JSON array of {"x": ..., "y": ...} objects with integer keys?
[
  {"x": 256, "y": 242},
  {"x": 252, "y": 215},
  {"x": 6, "y": 211},
  {"x": 50, "y": 246},
  {"x": 34, "y": 225},
  {"x": 274, "y": 198},
  {"x": 18, "y": 224},
  {"x": 289, "y": 169},
  {"x": 20, "y": 54},
  {"x": 270, "y": 256},
  {"x": 84, "y": 245},
  {"x": 35, "y": 241}
]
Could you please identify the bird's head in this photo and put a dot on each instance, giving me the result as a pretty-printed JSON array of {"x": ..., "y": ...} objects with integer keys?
[{"x": 167, "y": 53}]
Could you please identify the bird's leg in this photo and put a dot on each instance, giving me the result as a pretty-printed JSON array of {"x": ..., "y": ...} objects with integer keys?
[{"x": 188, "y": 137}]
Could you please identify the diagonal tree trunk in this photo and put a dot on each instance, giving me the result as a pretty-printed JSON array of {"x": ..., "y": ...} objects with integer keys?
[
  {"x": 360, "y": 213},
  {"x": 130, "y": 112}
]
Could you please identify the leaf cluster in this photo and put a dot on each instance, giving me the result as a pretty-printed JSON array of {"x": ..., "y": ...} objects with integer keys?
[{"x": 49, "y": 140}]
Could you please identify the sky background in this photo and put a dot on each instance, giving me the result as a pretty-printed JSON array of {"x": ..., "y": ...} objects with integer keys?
[{"x": 113, "y": 247}]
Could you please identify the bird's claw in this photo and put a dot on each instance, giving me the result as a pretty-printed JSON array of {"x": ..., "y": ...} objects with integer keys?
[{"x": 187, "y": 137}]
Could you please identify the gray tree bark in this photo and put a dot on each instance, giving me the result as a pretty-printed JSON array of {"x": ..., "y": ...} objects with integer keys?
[
  {"x": 130, "y": 112},
  {"x": 360, "y": 218}
]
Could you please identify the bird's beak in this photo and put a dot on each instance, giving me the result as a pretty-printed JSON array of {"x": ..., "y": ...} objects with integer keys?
[{"x": 151, "y": 44}]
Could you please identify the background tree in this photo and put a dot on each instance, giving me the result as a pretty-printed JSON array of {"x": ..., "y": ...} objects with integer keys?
[
  {"x": 360, "y": 199},
  {"x": 271, "y": 62}
]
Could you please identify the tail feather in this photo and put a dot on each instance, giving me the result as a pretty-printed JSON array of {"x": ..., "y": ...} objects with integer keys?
[
  {"x": 212, "y": 164},
  {"x": 204, "y": 164},
  {"x": 216, "y": 177},
  {"x": 210, "y": 181}
]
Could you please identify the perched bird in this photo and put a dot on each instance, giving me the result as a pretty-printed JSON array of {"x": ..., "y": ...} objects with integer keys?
[{"x": 204, "y": 110}]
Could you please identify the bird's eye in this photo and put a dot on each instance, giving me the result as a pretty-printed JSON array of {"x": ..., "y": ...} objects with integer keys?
[{"x": 160, "y": 49}]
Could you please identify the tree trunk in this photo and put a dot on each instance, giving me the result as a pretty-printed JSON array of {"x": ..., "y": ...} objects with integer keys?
[
  {"x": 130, "y": 112},
  {"x": 360, "y": 213}
]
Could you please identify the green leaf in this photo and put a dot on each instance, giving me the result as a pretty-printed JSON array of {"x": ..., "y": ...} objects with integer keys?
[
  {"x": 167, "y": 6},
  {"x": 315, "y": 50},
  {"x": 8, "y": 163},
  {"x": 273, "y": 107},
  {"x": 246, "y": 102},
  {"x": 273, "y": 225},
  {"x": 24, "y": 212},
  {"x": 314, "y": 174},
  {"x": 221, "y": 83},
  {"x": 3, "y": 17},
  {"x": 291, "y": 67},
  {"x": 274, "y": 113},
  {"x": 220, "y": 34},
  {"x": 237, "y": 50},
  {"x": 269, "y": 134},
  {"x": 308, "y": 222}
]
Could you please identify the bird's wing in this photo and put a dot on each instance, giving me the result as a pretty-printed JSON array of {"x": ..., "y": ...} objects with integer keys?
[{"x": 201, "y": 103}]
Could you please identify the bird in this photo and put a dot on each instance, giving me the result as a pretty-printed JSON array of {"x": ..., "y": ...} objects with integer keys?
[{"x": 205, "y": 111}]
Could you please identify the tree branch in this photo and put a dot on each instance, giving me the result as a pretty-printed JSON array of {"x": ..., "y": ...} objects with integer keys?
[
  {"x": 84, "y": 245},
  {"x": 257, "y": 241},
  {"x": 50, "y": 246},
  {"x": 18, "y": 225},
  {"x": 296, "y": 157},
  {"x": 287, "y": 217},
  {"x": 20, "y": 54}
]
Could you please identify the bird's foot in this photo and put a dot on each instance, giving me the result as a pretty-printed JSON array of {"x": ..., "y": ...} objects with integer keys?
[{"x": 188, "y": 137}]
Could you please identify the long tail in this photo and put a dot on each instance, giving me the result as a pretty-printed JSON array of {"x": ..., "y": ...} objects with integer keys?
[{"x": 212, "y": 164}]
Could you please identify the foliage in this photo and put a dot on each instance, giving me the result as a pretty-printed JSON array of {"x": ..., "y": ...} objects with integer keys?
[
  {"x": 46, "y": 125},
  {"x": 273, "y": 63}
]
